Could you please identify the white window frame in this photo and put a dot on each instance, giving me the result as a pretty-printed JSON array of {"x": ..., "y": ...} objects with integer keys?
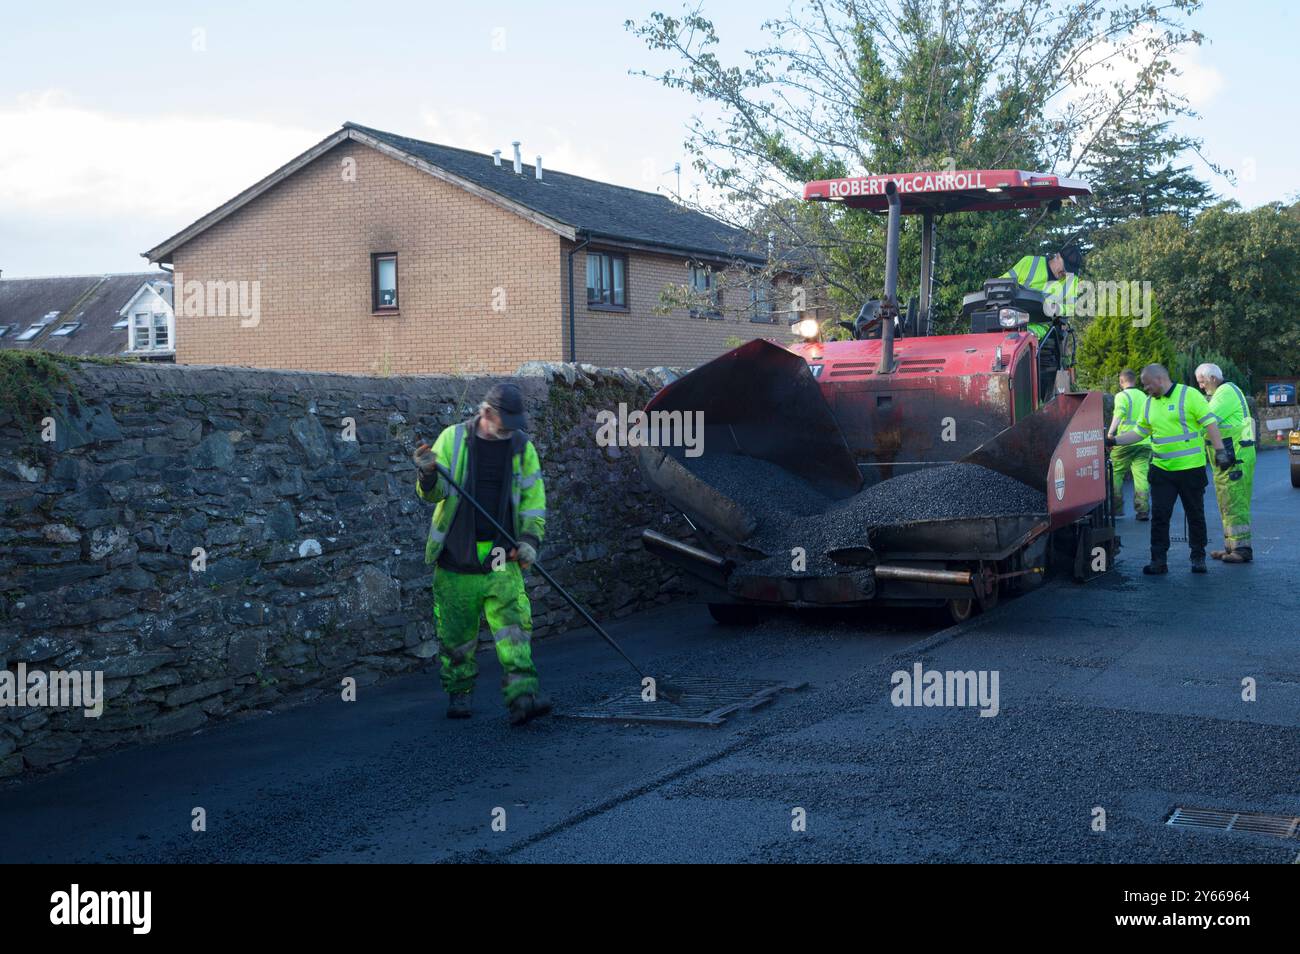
[
  {"x": 136, "y": 317},
  {"x": 160, "y": 323}
]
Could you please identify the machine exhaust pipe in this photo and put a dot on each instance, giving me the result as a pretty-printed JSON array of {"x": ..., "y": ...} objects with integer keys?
[{"x": 891, "y": 280}]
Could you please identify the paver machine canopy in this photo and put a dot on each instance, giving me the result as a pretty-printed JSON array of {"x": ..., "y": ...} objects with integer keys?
[{"x": 929, "y": 194}]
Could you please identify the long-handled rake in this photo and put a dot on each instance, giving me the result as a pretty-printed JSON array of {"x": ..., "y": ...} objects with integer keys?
[{"x": 673, "y": 694}]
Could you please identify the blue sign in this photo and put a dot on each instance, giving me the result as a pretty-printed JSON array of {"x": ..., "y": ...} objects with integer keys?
[{"x": 1281, "y": 394}]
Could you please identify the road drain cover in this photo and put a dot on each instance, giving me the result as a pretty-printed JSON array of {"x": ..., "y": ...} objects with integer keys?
[
  {"x": 1213, "y": 819},
  {"x": 705, "y": 702}
]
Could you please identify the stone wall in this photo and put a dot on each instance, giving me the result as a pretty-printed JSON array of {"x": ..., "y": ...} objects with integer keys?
[{"x": 313, "y": 542}]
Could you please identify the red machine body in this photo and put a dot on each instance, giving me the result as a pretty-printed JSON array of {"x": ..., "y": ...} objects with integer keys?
[
  {"x": 953, "y": 394},
  {"x": 949, "y": 394}
]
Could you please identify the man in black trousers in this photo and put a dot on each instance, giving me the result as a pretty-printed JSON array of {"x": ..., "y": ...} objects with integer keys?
[{"x": 1178, "y": 421}]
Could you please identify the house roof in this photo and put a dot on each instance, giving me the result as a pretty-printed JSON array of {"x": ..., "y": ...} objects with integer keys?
[
  {"x": 572, "y": 206},
  {"x": 93, "y": 300}
]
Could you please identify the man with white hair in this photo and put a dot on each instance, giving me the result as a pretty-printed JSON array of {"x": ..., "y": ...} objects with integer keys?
[
  {"x": 1179, "y": 421},
  {"x": 1232, "y": 487}
]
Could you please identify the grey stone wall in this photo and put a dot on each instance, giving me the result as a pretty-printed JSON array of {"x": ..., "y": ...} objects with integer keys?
[{"x": 314, "y": 543}]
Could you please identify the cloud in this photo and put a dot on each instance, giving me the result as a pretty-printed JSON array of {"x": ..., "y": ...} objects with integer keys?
[
  {"x": 1198, "y": 81},
  {"x": 460, "y": 127},
  {"x": 1111, "y": 65},
  {"x": 61, "y": 159}
]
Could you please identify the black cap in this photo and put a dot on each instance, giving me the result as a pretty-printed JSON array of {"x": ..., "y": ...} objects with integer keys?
[
  {"x": 1072, "y": 257},
  {"x": 508, "y": 401}
]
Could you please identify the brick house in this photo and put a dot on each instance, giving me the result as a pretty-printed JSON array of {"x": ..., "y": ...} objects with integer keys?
[{"x": 375, "y": 253}]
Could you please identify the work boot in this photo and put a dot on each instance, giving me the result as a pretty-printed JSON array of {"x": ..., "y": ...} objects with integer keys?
[
  {"x": 526, "y": 708},
  {"x": 1198, "y": 564},
  {"x": 1155, "y": 569},
  {"x": 458, "y": 706},
  {"x": 1239, "y": 555},
  {"x": 1219, "y": 554},
  {"x": 1143, "y": 516}
]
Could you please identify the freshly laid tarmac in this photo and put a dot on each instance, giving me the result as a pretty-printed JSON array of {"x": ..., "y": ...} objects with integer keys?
[{"x": 1124, "y": 695}]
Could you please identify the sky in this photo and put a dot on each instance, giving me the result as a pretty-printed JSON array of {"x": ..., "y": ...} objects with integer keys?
[{"x": 121, "y": 123}]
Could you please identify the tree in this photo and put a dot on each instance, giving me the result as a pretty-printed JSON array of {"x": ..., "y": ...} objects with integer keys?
[
  {"x": 1115, "y": 341},
  {"x": 1185, "y": 363},
  {"x": 1226, "y": 285},
  {"x": 850, "y": 86},
  {"x": 1133, "y": 176}
]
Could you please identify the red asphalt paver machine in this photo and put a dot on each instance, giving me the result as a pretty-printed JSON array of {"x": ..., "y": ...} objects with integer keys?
[{"x": 850, "y": 416}]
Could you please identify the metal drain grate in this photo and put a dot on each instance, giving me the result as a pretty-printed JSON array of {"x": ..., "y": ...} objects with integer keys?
[
  {"x": 1213, "y": 819},
  {"x": 706, "y": 702}
]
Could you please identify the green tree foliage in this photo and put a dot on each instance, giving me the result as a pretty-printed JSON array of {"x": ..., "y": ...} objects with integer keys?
[
  {"x": 1115, "y": 341},
  {"x": 1133, "y": 175},
  {"x": 850, "y": 87},
  {"x": 1226, "y": 285},
  {"x": 1185, "y": 363}
]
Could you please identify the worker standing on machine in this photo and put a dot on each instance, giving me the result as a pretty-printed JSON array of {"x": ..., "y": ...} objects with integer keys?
[
  {"x": 1134, "y": 458},
  {"x": 1178, "y": 420},
  {"x": 1232, "y": 487},
  {"x": 474, "y": 576}
]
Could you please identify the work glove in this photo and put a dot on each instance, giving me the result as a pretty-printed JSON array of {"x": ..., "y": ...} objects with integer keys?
[
  {"x": 1111, "y": 442},
  {"x": 526, "y": 554},
  {"x": 1224, "y": 458},
  {"x": 426, "y": 461}
]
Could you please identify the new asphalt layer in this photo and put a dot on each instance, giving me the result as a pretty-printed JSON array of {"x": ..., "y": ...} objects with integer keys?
[{"x": 1123, "y": 696}]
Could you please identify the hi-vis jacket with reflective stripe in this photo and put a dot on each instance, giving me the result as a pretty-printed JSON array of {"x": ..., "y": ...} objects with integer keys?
[
  {"x": 1031, "y": 271},
  {"x": 1064, "y": 292},
  {"x": 1129, "y": 404},
  {"x": 1230, "y": 407},
  {"x": 527, "y": 492},
  {"x": 1176, "y": 423}
]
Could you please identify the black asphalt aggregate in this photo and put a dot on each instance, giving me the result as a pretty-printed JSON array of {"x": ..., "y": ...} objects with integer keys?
[
  {"x": 1123, "y": 695},
  {"x": 791, "y": 514}
]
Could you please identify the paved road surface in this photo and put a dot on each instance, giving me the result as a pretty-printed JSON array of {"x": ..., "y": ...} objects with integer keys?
[{"x": 1123, "y": 695}]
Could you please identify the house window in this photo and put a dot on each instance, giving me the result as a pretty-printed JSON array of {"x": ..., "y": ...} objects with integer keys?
[
  {"x": 703, "y": 285},
  {"x": 65, "y": 330},
  {"x": 383, "y": 281},
  {"x": 143, "y": 320},
  {"x": 160, "y": 337},
  {"x": 760, "y": 297},
  {"x": 606, "y": 280},
  {"x": 5, "y": 329},
  {"x": 36, "y": 327},
  {"x": 32, "y": 331}
]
